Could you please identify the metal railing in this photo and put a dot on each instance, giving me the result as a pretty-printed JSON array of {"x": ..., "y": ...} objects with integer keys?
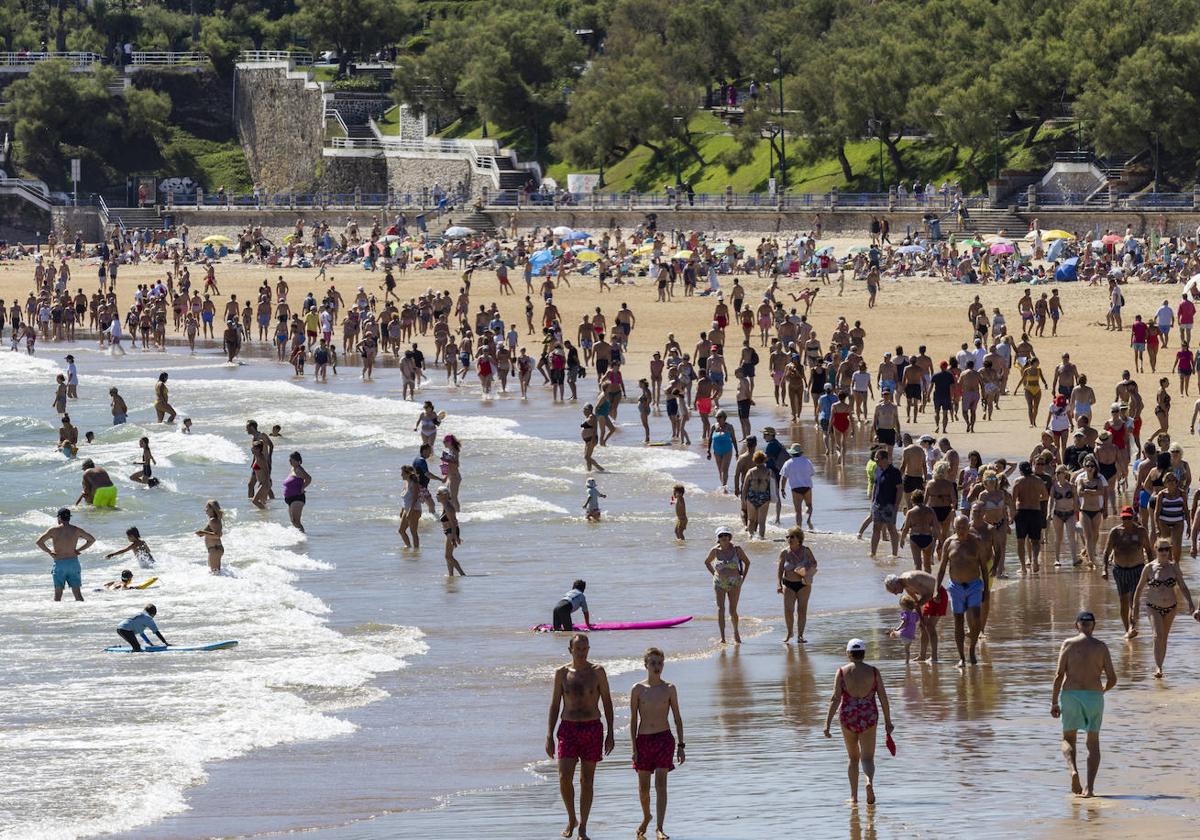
[
  {"x": 168, "y": 59},
  {"x": 200, "y": 200},
  {"x": 1102, "y": 200},
  {"x": 299, "y": 58},
  {"x": 671, "y": 199},
  {"x": 29, "y": 59},
  {"x": 333, "y": 114}
]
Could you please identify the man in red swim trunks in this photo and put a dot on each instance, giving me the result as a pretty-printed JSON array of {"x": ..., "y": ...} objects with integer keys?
[
  {"x": 931, "y": 599},
  {"x": 579, "y": 689},
  {"x": 654, "y": 747}
]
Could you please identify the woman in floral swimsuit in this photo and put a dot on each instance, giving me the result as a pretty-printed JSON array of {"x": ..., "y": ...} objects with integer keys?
[{"x": 854, "y": 700}]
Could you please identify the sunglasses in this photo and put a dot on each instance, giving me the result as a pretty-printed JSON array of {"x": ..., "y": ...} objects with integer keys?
[{"x": 1164, "y": 550}]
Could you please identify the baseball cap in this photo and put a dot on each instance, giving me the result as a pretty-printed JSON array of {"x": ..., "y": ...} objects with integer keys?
[
  {"x": 1128, "y": 513},
  {"x": 857, "y": 645},
  {"x": 1085, "y": 616}
]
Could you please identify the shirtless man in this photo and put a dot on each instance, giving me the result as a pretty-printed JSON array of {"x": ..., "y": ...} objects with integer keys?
[
  {"x": 162, "y": 402},
  {"x": 97, "y": 479},
  {"x": 1128, "y": 547},
  {"x": 963, "y": 557},
  {"x": 913, "y": 380},
  {"x": 931, "y": 600},
  {"x": 972, "y": 386},
  {"x": 1081, "y": 662},
  {"x": 912, "y": 467},
  {"x": 579, "y": 690},
  {"x": 65, "y": 539},
  {"x": 653, "y": 744},
  {"x": 1064, "y": 376},
  {"x": 1029, "y": 498},
  {"x": 886, "y": 420}
]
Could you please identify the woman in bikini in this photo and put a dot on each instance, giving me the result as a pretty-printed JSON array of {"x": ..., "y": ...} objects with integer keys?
[
  {"x": 212, "y": 535},
  {"x": 997, "y": 507},
  {"x": 587, "y": 431},
  {"x": 449, "y": 522},
  {"x": 1171, "y": 513},
  {"x": 756, "y": 495},
  {"x": 855, "y": 690},
  {"x": 1064, "y": 510},
  {"x": 921, "y": 527},
  {"x": 728, "y": 565},
  {"x": 940, "y": 495},
  {"x": 1160, "y": 580},
  {"x": 1092, "y": 492},
  {"x": 1162, "y": 407},
  {"x": 797, "y": 566},
  {"x": 1034, "y": 380},
  {"x": 410, "y": 508},
  {"x": 449, "y": 465},
  {"x": 1107, "y": 463}
]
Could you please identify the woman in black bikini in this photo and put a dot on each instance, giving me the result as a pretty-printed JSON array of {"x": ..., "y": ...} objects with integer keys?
[
  {"x": 449, "y": 522},
  {"x": 921, "y": 527},
  {"x": 1092, "y": 491},
  {"x": 797, "y": 565},
  {"x": 1064, "y": 510},
  {"x": 1159, "y": 582}
]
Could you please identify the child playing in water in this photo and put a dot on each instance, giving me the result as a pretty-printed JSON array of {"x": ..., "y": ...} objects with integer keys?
[
  {"x": 680, "y": 510},
  {"x": 144, "y": 475},
  {"x": 907, "y": 628},
  {"x": 592, "y": 503},
  {"x": 187, "y": 426},
  {"x": 125, "y": 582},
  {"x": 141, "y": 551}
]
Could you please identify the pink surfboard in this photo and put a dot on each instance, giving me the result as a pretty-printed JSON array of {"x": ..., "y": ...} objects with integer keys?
[{"x": 622, "y": 625}]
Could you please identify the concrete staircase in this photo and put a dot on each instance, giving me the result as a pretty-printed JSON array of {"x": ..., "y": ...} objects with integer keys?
[
  {"x": 135, "y": 217},
  {"x": 474, "y": 220},
  {"x": 987, "y": 220}
]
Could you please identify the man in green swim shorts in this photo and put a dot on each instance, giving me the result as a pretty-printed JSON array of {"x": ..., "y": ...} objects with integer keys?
[
  {"x": 98, "y": 488},
  {"x": 1081, "y": 663}
]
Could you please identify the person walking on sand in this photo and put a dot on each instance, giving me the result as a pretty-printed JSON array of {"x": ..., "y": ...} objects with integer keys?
[
  {"x": 1161, "y": 579},
  {"x": 654, "y": 746},
  {"x": 856, "y": 688},
  {"x": 580, "y": 689},
  {"x": 728, "y": 565},
  {"x": 65, "y": 548},
  {"x": 212, "y": 535},
  {"x": 1081, "y": 662}
]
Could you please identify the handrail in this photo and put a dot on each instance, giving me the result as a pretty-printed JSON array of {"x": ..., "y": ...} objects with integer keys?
[
  {"x": 167, "y": 59},
  {"x": 337, "y": 116},
  {"x": 356, "y": 143},
  {"x": 258, "y": 56},
  {"x": 25, "y": 58}
]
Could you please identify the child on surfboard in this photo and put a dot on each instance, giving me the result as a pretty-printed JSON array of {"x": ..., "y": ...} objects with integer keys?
[{"x": 131, "y": 628}]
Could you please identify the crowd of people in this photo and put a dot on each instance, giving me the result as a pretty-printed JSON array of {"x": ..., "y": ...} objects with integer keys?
[{"x": 958, "y": 510}]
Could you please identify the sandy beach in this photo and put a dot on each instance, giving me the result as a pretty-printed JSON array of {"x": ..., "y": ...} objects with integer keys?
[{"x": 470, "y": 709}]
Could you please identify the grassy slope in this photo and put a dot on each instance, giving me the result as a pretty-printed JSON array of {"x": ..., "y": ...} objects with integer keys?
[
  {"x": 639, "y": 170},
  {"x": 213, "y": 164}
]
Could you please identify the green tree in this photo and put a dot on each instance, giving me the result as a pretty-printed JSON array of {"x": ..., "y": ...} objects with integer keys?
[{"x": 354, "y": 27}]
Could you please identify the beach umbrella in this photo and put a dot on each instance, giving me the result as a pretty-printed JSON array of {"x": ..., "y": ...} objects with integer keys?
[
  {"x": 588, "y": 256},
  {"x": 562, "y": 230},
  {"x": 648, "y": 248},
  {"x": 576, "y": 236},
  {"x": 174, "y": 240},
  {"x": 828, "y": 249},
  {"x": 1000, "y": 248},
  {"x": 1111, "y": 239},
  {"x": 972, "y": 243},
  {"x": 910, "y": 249},
  {"x": 391, "y": 237},
  {"x": 1056, "y": 248},
  {"x": 993, "y": 238},
  {"x": 859, "y": 249},
  {"x": 458, "y": 231},
  {"x": 217, "y": 239},
  {"x": 682, "y": 255},
  {"x": 1097, "y": 245},
  {"x": 1051, "y": 235}
]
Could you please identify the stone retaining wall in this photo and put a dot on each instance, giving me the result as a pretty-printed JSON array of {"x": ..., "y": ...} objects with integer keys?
[
  {"x": 408, "y": 174},
  {"x": 281, "y": 125}
]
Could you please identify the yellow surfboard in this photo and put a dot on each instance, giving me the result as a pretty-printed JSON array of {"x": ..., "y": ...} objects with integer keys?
[{"x": 146, "y": 584}]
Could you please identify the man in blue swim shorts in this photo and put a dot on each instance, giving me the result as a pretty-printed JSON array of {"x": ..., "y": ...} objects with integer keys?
[
  {"x": 964, "y": 556},
  {"x": 1082, "y": 661},
  {"x": 65, "y": 548}
]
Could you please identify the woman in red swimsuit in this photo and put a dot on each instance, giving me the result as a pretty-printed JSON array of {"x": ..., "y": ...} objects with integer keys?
[
  {"x": 854, "y": 692},
  {"x": 839, "y": 427}
]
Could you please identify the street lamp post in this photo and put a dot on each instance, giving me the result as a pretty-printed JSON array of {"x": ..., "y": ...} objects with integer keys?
[
  {"x": 1155, "y": 161},
  {"x": 782, "y": 140},
  {"x": 678, "y": 178},
  {"x": 996, "y": 124}
]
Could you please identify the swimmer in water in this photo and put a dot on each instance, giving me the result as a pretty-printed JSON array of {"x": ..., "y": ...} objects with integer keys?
[
  {"x": 126, "y": 581},
  {"x": 139, "y": 547}
]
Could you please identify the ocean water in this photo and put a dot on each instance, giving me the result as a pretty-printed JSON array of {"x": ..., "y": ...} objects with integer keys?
[{"x": 370, "y": 696}]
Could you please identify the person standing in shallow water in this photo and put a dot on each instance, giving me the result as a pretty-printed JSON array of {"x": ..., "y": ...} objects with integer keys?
[
  {"x": 1081, "y": 662},
  {"x": 653, "y": 744},
  {"x": 856, "y": 688},
  {"x": 580, "y": 689}
]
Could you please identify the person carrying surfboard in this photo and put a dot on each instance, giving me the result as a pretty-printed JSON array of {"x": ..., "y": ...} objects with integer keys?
[{"x": 131, "y": 628}]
